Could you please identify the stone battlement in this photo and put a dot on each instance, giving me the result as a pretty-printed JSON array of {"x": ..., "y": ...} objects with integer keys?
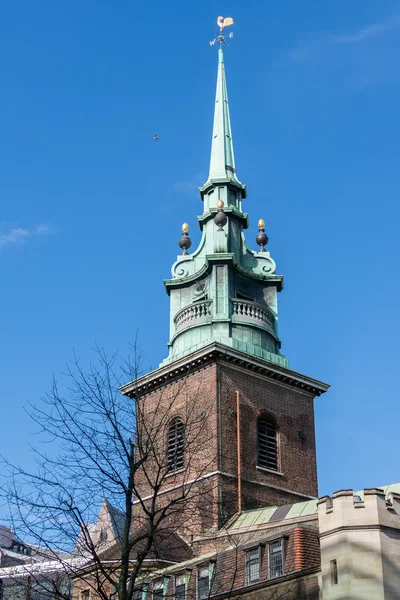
[{"x": 349, "y": 509}]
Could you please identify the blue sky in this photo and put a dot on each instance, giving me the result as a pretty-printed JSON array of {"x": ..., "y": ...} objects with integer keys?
[{"x": 91, "y": 206}]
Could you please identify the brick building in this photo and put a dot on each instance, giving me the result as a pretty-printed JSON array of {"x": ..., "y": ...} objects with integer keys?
[
  {"x": 229, "y": 420},
  {"x": 29, "y": 572}
]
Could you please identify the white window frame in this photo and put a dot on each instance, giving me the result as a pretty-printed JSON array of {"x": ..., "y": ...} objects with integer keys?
[
  {"x": 280, "y": 541},
  {"x": 257, "y": 550}
]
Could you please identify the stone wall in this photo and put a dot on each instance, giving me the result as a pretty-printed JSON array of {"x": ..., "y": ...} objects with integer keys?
[{"x": 360, "y": 545}]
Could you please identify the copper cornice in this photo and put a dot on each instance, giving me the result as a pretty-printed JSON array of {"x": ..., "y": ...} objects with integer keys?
[{"x": 218, "y": 352}]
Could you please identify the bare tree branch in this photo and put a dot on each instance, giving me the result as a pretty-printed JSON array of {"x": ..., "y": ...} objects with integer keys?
[{"x": 95, "y": 444}]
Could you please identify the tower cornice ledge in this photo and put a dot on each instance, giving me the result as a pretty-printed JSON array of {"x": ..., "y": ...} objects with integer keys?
[
  {"x": 212, "y": 183},
  {"x": 228, "y": 210},
  {"x": 220, "y": 258},
  {"x": 219, "y": 353}
]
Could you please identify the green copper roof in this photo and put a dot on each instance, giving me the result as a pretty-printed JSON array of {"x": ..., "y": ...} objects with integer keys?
[
  {"x": 222, "y": 163},
  {"x": 261, "y": 516}
]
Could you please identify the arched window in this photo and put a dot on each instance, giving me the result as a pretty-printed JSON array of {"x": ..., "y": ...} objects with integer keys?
[
  {"x": 175, "y": 444},
  {"x": 267, "y": 447}
]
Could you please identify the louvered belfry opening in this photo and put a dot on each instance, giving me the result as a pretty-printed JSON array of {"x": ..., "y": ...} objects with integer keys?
[
  {"x": 175, "y": 444},
  {"x": 267, "y": 443}
]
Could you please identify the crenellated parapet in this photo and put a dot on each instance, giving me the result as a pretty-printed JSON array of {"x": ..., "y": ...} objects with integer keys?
[
  {"x": 360, "y": 544},
  {"x": 370, "y": 507}
]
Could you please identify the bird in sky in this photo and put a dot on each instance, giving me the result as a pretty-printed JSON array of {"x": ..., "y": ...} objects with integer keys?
[
  {"x": 155, "y": 137},
  {"x": 221, "y": 22}
]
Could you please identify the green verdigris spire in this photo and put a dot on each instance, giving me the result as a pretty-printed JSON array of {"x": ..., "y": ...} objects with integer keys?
[
  {"x": 222, "y": 163},
  {"x": 224, "y": 292}
]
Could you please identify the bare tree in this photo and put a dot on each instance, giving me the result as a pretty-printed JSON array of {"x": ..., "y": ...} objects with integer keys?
[{"x": 97, "y": 444}]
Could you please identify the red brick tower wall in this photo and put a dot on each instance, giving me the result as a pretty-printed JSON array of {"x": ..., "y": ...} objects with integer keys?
[
  {"x": 293, "y": 412},
  {"x": 207, "y": 396},
  {"x": 193, "y": 399}
]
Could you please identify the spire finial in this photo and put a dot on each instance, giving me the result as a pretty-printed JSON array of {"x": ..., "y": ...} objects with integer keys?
[
  {"x": 222, "y": 23},
  {"x": 262, "y": 238},
  {"x": 185, "y": 242},
  {"x": 222, "y": 163},
  {"x": 220, "y": 218}
]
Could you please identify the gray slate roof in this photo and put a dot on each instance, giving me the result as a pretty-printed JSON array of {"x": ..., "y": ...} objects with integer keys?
[{"x": 7, "y": 537}]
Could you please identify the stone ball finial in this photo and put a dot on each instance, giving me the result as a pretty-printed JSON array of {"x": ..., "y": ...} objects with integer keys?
[
  {"x": 220, "y": 218},
  {"x": 262, "y": 238},
  {"x": 185, "y": 242}
]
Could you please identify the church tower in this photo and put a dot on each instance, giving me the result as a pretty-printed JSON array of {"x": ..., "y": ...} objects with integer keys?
[
  {"x": 224, "y": 292},
  {"x": 225, "y": 369}
]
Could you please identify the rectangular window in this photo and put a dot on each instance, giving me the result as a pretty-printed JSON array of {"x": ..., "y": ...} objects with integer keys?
[
  {"x": 334, "y": 573},
  {"x": 180, "y": 587},
  {"x": 276, "y": 559},
  {"x": 85, "y": 595},
  {"x": 158, "y": 590},
  {"x": 253, "y": 565},
  {"x": 267, "y": 443},
  {"x": 203, "y": 583}
]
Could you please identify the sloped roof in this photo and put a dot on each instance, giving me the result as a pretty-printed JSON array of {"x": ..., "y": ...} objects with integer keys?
[
  {"x": 270, "y": 514},
  {"x": 7, "y": 537},
  {"x": 42, "y": 553},
  {"x": 167, "y": 545},
  {"x": 117, "y": 519},
  {"x": 183, "y": 565},
  {"x": 393, "y": 487},
  {"x": 261, "y": 516},
  {"x": 9, "y": 558},
  {"x": 45, "y": 567}
]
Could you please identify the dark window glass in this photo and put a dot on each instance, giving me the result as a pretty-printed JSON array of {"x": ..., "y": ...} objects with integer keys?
[
  {"x": 175, "y": 444},
  {"x": 334, "y": 573},
  {"x": 267, "y": 443},
  {"x": 203, "y": 583},
  {"x": 253, "y": 565},
  {"x": 180, "y": 587},
  {"x": 158, "y": 590},
  {"x": 103, "y": 535},
  {"x": 276, "y": 559}
]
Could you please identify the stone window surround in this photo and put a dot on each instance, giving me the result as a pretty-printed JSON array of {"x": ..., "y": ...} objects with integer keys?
[{"x": 210, "y": 565}]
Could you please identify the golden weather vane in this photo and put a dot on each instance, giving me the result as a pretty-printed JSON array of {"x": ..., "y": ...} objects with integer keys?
[{"x": 222, "y": 23}]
